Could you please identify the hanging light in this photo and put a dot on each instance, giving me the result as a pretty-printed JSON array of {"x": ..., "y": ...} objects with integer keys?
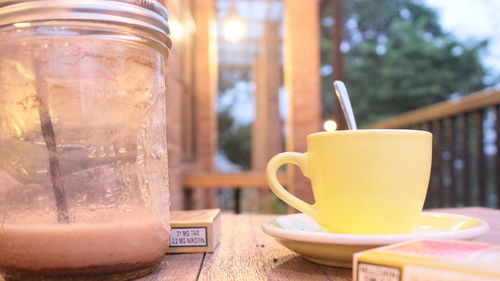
[
  {"x": 330, "y": 126},
  {"x": 234, "y": 27},
  {"x": 177, "y": 30}
]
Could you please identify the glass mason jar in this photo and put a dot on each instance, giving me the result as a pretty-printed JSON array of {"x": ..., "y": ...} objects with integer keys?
[{"x": 83, "y": 159}]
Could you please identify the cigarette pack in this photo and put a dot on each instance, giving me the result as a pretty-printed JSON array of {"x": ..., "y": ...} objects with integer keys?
[
  {"x": 195, "y": 231},
  {"x": 429, "y": 260}
]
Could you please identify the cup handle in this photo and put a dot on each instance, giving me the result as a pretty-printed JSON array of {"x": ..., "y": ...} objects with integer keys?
[{"x": 277, "y": 161}]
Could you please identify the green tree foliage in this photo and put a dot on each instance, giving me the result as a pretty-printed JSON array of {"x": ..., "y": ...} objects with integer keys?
[
  {"x": 235, "y": 140},
  {"x": 398, "y": 58}
]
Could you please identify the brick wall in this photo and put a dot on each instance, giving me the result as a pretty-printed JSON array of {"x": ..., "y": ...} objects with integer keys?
[{"x": 174, "y": 94}]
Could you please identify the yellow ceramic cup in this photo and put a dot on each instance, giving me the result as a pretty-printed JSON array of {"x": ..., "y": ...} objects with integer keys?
[{"x": 363, "y": 181}]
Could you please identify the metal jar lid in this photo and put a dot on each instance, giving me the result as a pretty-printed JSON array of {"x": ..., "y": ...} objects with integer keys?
[{"x": 144, "y": 14}]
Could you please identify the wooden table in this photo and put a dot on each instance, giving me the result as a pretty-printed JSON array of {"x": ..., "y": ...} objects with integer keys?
[{"x": 246, "y": 253}]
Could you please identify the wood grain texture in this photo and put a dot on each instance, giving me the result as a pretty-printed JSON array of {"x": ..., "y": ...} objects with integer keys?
[
  {"x": 497, "y": 156},
  {"x": 174, "y": 267},
  {"x": 302, "y": 82},
  {"x": 205, "y": 82},
  {"x": 253, "y": 179},
  {"x": 246, "y": 253},
  {"x": 440, "y": 110},
  {"x": 205, "y": 73},
  {"x": 177, "y": 267},
  {"x": 267, "y": 126}
]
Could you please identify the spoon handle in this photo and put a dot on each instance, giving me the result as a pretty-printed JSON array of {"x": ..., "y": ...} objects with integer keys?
[{"x": 345, "y": 103}]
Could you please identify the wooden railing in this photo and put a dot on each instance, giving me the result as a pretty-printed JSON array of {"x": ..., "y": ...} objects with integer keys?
[
  {"x": 466, "y": 148},
  {"x": 237, "y": 181}
]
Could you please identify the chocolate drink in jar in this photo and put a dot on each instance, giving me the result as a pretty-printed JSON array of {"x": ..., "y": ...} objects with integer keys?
[{"x": 99, "y": 82}]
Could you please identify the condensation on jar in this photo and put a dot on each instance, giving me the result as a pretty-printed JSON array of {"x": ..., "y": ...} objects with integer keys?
[{"x": 83, "y": 159}]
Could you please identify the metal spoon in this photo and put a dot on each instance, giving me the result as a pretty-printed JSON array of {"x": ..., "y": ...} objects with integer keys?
[
  {"x": 345, "y": 103},
  {"x": 50, "y": 141}
]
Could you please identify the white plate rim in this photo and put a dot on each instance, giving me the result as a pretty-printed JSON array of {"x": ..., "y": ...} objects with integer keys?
[{"x": 378, "y": 239}]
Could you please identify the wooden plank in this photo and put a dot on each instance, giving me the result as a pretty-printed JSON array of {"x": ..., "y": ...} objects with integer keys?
[
  {"x": 237, "y": 200},
  {"x": 497, "y": 155},
  {"x": 441, "y": 186},
  {"x": 239, "y": 180},
  {"x": 436, "y": 175},
  {"x": 267, "y": 127},
  {"x": 177, "y": 267},
  {"x": 425, "y": 127},
  {"x": 188, "y": 122},
  {"x": 337, "y": 34},
  {"x": 179, "y": 76},
  {"x": 302, "y": 82},
  {"x": 429, "y": 200},
  {"x": 481, "y": 165},
  {"x": 205, "y": 82},
  {"x": 467, "y": 103},
  {"x": 205, "y": 88},
  {"x": 174, "y": 107},
  {"x": 246, "y": 253},
  {"x": 451, "y": 137},
  {"x": 174, "y": 267},
  {"x": 466, "y": 158}
]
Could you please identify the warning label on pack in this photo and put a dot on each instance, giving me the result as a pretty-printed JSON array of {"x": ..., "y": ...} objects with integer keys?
[
  {"x": 188, "y": 237},
  {"x": 372, "y": 272}
]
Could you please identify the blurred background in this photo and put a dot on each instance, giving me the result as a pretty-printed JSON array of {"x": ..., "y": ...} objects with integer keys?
[{"x": 269, "y": 68}]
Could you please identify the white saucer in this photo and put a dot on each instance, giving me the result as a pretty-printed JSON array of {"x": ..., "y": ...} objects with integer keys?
[{"x": 303, "y": 235}]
